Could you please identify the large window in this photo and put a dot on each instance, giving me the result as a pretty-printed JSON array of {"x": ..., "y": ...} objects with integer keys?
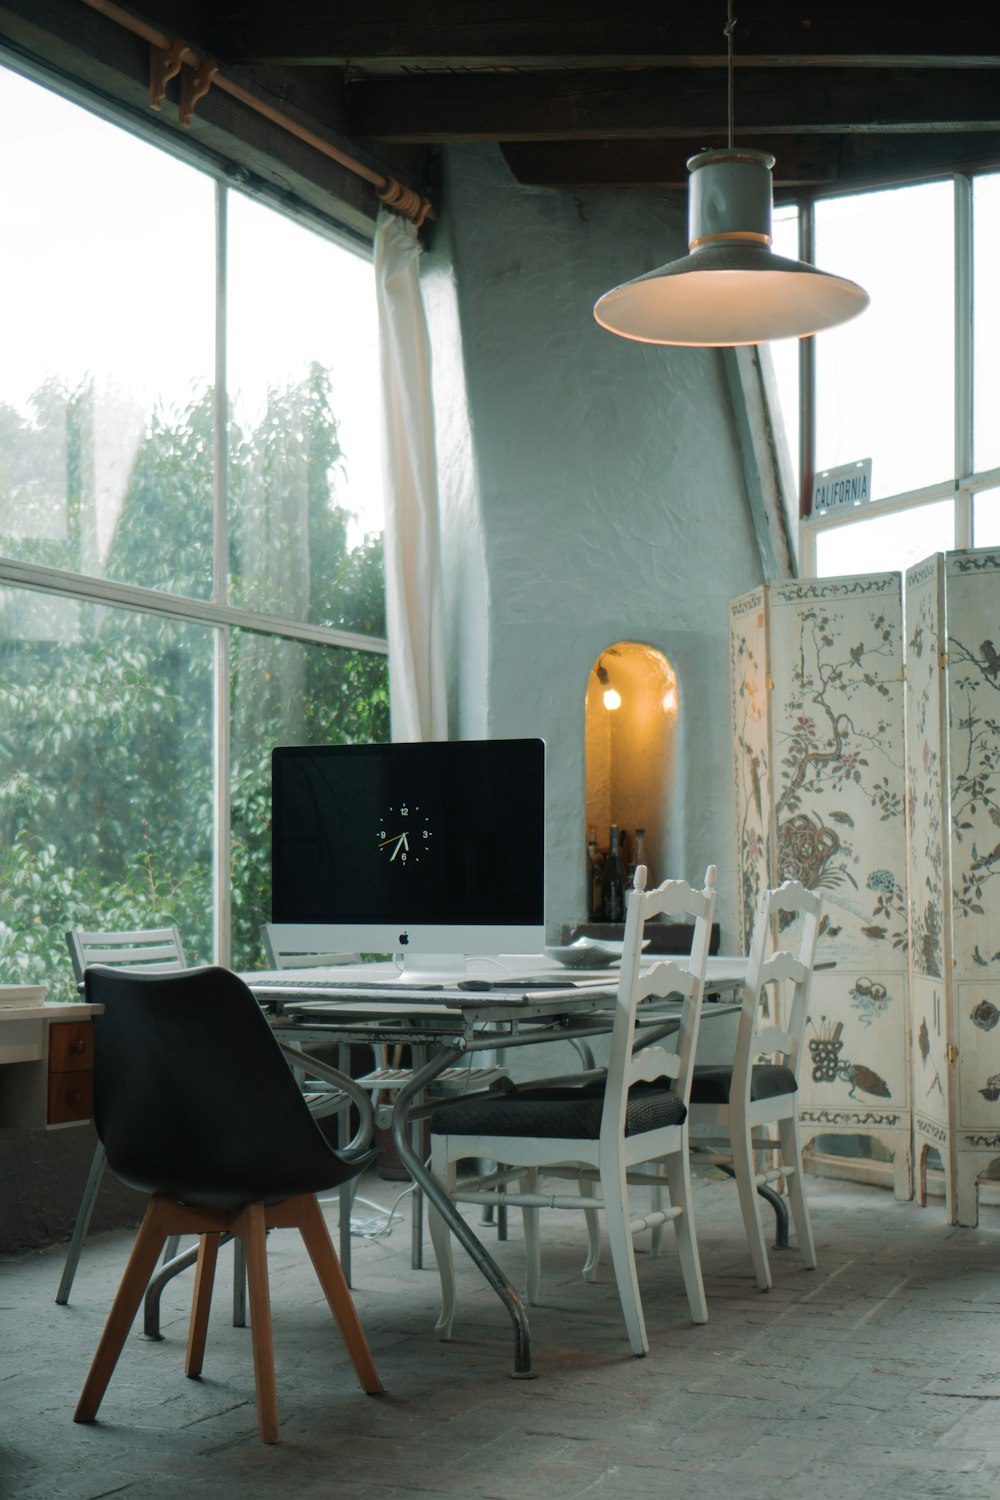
[
  {"x": 913, "y": 383},
  {"x": 190, "y": 533}
]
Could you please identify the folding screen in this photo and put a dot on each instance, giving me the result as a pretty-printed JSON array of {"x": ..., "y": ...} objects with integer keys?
[
  {"x": 953, "y": 797},
  {"x": 817, "y": 700}
]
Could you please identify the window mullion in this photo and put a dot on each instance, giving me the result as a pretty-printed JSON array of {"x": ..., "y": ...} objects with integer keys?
[
  {"x": 964, "y": 359},
  {"x": 222, "y": 902}
]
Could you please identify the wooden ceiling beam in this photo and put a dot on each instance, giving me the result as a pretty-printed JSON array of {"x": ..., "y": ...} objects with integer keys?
[
  {"x": 506, "y": 33},
  {"x": 810, "y": 164},
  {"x": 669, "y": 102}
]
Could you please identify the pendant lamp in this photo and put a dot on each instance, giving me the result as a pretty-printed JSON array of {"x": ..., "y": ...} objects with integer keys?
[{"x": 731, "y": 288}]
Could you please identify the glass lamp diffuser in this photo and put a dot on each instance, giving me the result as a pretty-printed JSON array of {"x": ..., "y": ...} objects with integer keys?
[{"x": 731, "y": 288}]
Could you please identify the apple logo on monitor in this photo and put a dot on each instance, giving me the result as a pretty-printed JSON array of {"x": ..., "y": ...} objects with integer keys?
[{"x": 404, "y": 938}]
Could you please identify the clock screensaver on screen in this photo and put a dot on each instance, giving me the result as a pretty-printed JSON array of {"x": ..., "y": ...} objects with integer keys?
[{"x": 449, "y": 832}]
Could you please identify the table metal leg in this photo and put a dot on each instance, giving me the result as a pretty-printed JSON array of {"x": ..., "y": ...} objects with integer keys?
[
  {"x": 456, "y": 1223},
  {"x": 776, "y": 1201}
]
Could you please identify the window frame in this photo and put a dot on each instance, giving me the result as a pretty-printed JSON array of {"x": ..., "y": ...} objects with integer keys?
[
  {"x": 215, "y": 612},
  {"x": 965, "y": 481}
]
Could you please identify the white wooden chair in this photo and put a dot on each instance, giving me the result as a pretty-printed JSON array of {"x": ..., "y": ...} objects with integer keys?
[
  {"x": 281, "y": 954},
  {"x": 731, "y": 1104},
  {"x": 599, "y": 1133},
  {"x": 153, "y": 950}
]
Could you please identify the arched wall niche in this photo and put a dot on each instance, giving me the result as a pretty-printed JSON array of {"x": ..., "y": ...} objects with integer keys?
[{"x": 631, "y": 714}]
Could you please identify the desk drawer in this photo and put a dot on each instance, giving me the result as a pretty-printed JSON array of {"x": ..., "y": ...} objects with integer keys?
[
  {"x": 71, "y": 1072},
  {"x": 71, "y": 1097},
  {"x": 71, "y": 1046}
]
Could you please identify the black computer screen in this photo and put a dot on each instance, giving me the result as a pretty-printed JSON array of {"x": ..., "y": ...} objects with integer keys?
[{"x": 447, "y": 832}]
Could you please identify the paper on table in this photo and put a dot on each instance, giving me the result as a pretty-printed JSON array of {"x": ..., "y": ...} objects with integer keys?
[{"x": 22, "y": 994}]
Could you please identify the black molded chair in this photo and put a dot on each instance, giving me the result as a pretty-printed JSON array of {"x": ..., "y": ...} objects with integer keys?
[{"x": 195, "y": 1104}]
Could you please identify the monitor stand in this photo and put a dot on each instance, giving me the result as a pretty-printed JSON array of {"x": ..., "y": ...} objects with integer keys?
[{"x": 431, "y": 968}]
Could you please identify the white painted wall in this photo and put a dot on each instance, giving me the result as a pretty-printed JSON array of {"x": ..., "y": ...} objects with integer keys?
[{"x": 592, "y": 492}]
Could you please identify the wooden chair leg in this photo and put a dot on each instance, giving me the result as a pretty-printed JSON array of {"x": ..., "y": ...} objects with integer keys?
[
  {"x": 201, "y": 1302},
  {"x": 316, "y": 1236},
  {"x": 445, "y": 1172},
  {"x": 619, "y": 1221},
  {"x": 141, "y": 1264},
  {"x": 590, "y": 1265},
  {"x": 678, "y": 1173},
  {"x": 250, "y": 1225},
  {"x": 745, "y": 1167},
  {"x": 532, "y": 1241},
  {"x": 791, "y": 1155}
]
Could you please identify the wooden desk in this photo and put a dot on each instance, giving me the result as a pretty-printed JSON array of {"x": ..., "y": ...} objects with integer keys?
[{"x": 46, "y": 1065}]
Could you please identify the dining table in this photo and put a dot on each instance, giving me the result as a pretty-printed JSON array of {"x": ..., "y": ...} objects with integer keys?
[{"x": 533, "y": 1001}]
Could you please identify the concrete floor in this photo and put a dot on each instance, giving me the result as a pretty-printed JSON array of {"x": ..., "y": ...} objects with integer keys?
[{"x": 877, "y": 1375}]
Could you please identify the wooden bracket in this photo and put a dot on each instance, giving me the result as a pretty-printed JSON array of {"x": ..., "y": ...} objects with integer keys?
[
  {"x": 195, "y": 84},
  {"x": 164, "y": 64}
]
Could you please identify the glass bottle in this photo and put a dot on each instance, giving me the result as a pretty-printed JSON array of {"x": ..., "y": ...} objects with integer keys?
[
  {"x": 614, "y": 882},
  {"x": 594, "y": 862},
  {"x": 639, "y": 854}
]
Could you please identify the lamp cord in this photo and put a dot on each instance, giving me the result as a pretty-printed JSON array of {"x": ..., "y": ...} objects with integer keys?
[{"x": 730, "y": 28}]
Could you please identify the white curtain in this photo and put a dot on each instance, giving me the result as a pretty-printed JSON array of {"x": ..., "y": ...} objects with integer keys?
[{"x": 412, "y": 532}]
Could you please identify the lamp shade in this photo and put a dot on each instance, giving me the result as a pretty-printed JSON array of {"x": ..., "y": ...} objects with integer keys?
[{"x": 731, "y": 288}]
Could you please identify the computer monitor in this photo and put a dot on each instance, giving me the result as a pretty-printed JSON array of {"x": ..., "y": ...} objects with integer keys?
[{"x": 435, "y": 851}]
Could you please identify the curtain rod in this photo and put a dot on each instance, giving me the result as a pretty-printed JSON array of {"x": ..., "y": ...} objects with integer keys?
[{"x": 168, "y": 57}]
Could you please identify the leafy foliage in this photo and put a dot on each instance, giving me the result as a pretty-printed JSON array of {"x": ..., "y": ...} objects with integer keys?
[{"x": 106, "y": 715}]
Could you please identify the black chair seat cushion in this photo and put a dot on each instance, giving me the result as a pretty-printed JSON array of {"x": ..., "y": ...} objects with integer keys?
[
  {"x": 556, "y": 1114},
  {"x": 767, "y": 1081}
]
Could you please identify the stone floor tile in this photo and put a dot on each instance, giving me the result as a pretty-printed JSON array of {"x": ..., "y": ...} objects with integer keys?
[{"x": 873, "y": 1378}]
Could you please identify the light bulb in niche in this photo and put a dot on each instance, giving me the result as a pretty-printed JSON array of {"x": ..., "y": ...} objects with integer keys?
[{"x": 612, "y": 698}]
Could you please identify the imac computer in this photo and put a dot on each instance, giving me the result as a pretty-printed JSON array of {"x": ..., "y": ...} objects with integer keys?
[{"x": 435, "y": 851}]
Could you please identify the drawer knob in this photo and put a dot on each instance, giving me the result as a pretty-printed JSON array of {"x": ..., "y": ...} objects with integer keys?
[{"x": 78, "y": 1047}]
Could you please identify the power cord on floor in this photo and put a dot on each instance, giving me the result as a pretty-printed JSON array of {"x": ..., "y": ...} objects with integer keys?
[{"x": 378, "y": 1225}]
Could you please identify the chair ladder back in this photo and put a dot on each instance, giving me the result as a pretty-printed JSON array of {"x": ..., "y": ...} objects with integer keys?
[
  {"x": 667, "y": 977},
  {"x": 154, "y": 950},
  {"x": 703, "y": 909},
  {"x": 299, "y": 957},
  {"x": 763, "y": 968},
  {"x": 809, "y": 904}
]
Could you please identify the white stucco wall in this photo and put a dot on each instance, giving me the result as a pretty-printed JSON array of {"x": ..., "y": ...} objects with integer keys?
[{"x": 592, "y": 492}]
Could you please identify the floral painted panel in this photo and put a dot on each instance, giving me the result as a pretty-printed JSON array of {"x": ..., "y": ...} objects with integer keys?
[
  {"x": 979, "y": 1055},
  {"x": 931, "y": 1079},
  {"x": 973, "y": 593},
  {"x": 751, "y": 756},
  {"x": 838, "y": 763},
  {"x": 924, "y": 786},
  {"x": 854, "y": 1077}
]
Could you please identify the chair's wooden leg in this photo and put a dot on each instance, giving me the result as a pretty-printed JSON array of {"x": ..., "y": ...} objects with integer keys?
[
  {"x": 312, "y": 1227},
  {"x": 201, "y": 1302},
  {"x": 250, "y": 1226},
  {"x": 440, "y": 1234},
  {"x": 656, "y": 1234},
  {"x": 239, "y": 1285},
  {"x": 141, "y": 1264},
  {"x": 593, "y": 1232},
  {"x": 745, "y": 1168},
  {"x": 532, "y": 1241},
  {"x": 791, "y": 1155},
  {"x": 678, "y": 1173},
  {"x": 614, "y": 1189}
]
